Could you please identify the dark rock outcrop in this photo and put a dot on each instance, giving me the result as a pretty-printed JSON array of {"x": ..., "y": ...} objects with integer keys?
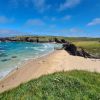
[
  {"x": 76, "y": 51},
  {"x": 60, "y": 40},
  {"x": 57, "y": 41},
  {"x": 63, "y": 41},
  {"x": 70, "y": 48}
]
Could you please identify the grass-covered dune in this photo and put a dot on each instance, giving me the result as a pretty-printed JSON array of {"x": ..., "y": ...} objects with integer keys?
[
  {"x": 73, "y": 85},
  {"x": 93, "y": 47}
]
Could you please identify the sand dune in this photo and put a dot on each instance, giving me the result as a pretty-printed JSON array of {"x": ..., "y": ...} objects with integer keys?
[{"x": 57, "y": 61}]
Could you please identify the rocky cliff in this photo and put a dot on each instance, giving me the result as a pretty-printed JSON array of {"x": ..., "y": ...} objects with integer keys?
[{"x": 76, "y": 51}]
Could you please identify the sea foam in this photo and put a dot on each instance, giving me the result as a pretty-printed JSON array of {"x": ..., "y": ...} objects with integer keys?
[{"x": 23, "y": 51}]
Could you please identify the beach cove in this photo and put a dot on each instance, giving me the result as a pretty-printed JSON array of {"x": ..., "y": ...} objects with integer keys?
[
  {"x": 13, "y": 54},
  {"x": 59, "y": 60}
]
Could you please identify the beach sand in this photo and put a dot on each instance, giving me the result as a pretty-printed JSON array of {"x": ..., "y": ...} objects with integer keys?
[{"x": 59, "y": 60}]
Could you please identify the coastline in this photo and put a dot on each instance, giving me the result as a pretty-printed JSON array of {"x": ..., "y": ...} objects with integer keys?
[
  {"x": 5, "y": 73},
  {"x": 21, "y": 66},
  {"x": 25, "y": 61},
  {"x": 59, "y": 60}
]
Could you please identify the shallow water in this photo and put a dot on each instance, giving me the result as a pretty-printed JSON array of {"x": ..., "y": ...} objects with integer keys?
[{"x": 12, "y": 54}]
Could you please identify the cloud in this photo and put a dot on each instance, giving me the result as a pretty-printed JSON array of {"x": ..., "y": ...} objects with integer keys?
[
  {"x": 66, "y": 31},
  {"x": 39, "y": 4},
  {"x": 69, "y": 4},
  {"x": 6, "y": 31},
  {"x": 53, "y": 19},
  {"x": 10, "y": 32},
  {"x": 76, "y": 30},
  {"x": 34, "y": 22},
  {"x": 95, "y": 21},
  {"x": 4, "y": 20}
]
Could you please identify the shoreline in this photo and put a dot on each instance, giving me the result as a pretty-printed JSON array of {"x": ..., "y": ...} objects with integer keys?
[
  {"x": 10, "y": 74},
  {"x": 20, "y": 64},
  {"x": 58, "y": 60},
  {"x": 5, "y": 73}
]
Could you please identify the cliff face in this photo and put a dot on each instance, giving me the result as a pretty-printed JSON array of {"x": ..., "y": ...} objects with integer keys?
[{"x": 76, "y": 51}]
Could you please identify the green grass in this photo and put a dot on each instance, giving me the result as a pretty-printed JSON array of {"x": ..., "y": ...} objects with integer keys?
[
  {"x": 92, "y": 47},
  {"x": 47, "y": 38},
  {"x": 73, "y": 85}
]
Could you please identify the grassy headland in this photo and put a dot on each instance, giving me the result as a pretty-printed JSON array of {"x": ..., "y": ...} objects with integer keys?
[
  {"x": 73, "y": 85},
  {"x": 91, "y": 45}
]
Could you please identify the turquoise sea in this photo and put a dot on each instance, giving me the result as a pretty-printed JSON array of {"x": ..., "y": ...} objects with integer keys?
[{"x": 12, "y": 54}]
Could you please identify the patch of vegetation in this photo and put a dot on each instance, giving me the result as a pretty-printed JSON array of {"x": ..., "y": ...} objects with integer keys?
[
  {"x": 92, "y": 47},
  {"x": 52, "y": 38},
  {"x": 73, "y": 85}
]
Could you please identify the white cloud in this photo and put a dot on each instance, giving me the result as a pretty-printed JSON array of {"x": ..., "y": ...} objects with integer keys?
[
  {"x": 95, "y": 21},
  {"x": 10, "y": 32},
  {"x": 76, "y": 30},
  {"x": 5, "y": 31},
  {"x": 4, "y": 20},
  {"x": 64, "y": 18},
  {"x": 34, "y": 22},
  {"x": 68, "y": 31},
  {"x": 69, "y": 4}
]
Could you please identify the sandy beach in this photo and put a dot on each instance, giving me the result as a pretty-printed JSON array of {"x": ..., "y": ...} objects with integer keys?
[{"x": 59, "y": 60}]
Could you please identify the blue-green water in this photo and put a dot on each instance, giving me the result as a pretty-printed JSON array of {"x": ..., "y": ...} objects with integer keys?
[{"x": 12, "y": 54}]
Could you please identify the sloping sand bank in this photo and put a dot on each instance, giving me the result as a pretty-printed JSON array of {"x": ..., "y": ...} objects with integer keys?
[{"x": 57, "y": 61}]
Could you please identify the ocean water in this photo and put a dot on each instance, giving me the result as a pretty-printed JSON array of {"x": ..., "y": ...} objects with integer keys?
[{"x": 12, "y": 54}]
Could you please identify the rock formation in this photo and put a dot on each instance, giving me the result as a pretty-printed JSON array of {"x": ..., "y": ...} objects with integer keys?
[{"x": 76, "y": 51}]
